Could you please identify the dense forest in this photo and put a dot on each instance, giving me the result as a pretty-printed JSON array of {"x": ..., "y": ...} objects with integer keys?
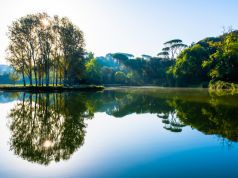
[
  {"x": 212, "y": 60},
  {"x": 46, "y": 50}
]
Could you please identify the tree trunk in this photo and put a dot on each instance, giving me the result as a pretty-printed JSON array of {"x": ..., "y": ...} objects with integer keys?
[
  {"x": 39, "y": 78},
  {"x": 56, "y": 72},
  {"x": 30, "y": 77},
  {"x": 36, "y": 80},
  {"x": 65, "y": 77},
  {"x": 53, "y": 76},
  {"x": 56, "y": 77},
  {"x": 47, "y": 78},
  {"x": 24, "y": 80},
  {"x": 42, "y": 80}
]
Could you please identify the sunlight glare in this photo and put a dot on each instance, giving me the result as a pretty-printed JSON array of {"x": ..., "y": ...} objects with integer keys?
[
  {"x": 45, "y": 22},
  {"x": 47, "y": 144}
]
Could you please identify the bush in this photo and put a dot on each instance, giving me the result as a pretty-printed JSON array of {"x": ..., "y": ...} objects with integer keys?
[{"x": 221, "y": 85}]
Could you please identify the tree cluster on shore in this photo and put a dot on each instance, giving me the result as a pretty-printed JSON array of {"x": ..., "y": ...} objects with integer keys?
[
  {"x": 46, "y": 49},
  {"x": 211, "y": 60}
]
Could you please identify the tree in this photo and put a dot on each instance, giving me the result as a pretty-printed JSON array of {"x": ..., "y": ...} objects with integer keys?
[
  {"x": 46, "y": 49},
  {"x": 16, "y": 52},
  {"x": 120, "y": 77},
  {"x": 72, "y": 41},
  {"x": 93, "y": 71},
  {"x": 223, "y": 62},
  {"x": 120, "y": 57},
  {"x": 172, "y": 49},
  {"x": 188, "y": 68},
  {"x": 210, "y": 60}
]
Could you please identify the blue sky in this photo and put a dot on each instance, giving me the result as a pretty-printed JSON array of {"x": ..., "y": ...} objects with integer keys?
[{"x": 133, "y": 26}]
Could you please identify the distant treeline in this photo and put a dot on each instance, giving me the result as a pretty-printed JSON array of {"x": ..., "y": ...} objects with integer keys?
[
  {"x": 125, "y": 69},
  {"x": 211, "y": 61},
  {"x": 5, "y": 79},
  {"x": 7, "y": 75}
]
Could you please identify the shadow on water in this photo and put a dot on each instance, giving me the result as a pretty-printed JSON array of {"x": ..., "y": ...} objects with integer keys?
[{"x": 51, "y": 127}]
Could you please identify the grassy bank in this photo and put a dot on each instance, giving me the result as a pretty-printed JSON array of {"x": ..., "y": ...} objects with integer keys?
[
  {"x": 221, "y": 88},
  {"x": 36, "y": 89},
  {"x": 221, "y": 85}
]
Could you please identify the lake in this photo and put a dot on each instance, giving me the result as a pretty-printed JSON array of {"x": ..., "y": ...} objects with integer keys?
[{"x": 119, "y": 132}]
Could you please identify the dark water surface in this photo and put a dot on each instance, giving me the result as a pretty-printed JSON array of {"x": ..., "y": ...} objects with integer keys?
[{"x": 120, "y": 132}]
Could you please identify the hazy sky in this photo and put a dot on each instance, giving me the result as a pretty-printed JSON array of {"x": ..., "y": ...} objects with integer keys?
[{"x": 133, "y": 26}]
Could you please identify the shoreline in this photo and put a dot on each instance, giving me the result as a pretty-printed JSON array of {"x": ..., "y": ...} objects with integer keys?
[
  {"x": 95, "y": 88},
  {"x": 40, "y": 89}
]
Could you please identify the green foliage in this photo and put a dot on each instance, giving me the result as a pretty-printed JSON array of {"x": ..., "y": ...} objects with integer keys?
[
  {"x": 120, "y": 77},
  {"x": 122, "y": 70},
  {"x": 223, "y": 64},
  {"x": 93, "y": 71},
  {"x": 188, "y": 68},
  {"x": 211, "y": 59},
  {"x": 131, "y": 78},
  {"x": 221, "y": 85}
]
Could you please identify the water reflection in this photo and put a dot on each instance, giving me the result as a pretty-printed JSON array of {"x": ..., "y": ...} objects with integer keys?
[
  {"x": 51, "y": 127},
  {"x": 47, "y": 127}
]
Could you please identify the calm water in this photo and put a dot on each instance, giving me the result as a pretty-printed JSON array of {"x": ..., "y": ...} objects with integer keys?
[{"x": 136, "y": 132}]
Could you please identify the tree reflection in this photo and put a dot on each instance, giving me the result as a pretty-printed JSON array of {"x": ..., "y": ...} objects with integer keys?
[
  {"x": 221, "y": 120},
  {"x": 208, "y": 113},
  {"x": 51, "y": 127},
  {"x": 44, "y": 129},
  {"x": 172, "y": 122}
]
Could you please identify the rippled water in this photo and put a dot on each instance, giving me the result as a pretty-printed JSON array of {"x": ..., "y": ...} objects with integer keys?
[{"x": 120, "y": 132}]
